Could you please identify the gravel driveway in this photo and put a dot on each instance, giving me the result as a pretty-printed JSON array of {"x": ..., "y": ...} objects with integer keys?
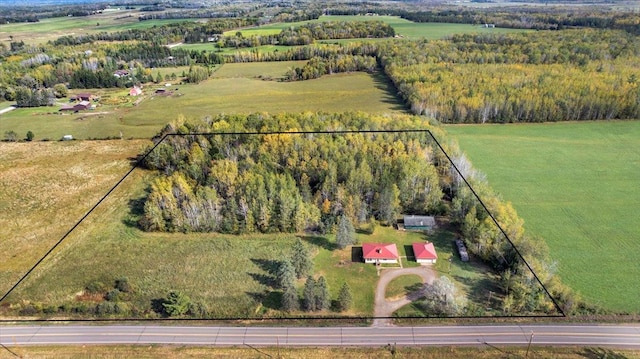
[{"x": 383, "y": 308}]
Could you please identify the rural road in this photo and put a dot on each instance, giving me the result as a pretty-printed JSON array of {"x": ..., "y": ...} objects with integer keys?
[
  {"x": 619, "y": 336},
  {"x": 383, "y": 307}
]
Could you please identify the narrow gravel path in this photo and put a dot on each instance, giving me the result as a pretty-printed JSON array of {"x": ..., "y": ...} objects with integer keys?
[{"x": 383, "y": 308}]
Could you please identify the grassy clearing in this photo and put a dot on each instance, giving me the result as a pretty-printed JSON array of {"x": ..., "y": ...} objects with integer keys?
[
  {"x": 404, "y": 28},
  {"x": 52, "y": 28},
  {"x": 235, "y": 88},
  {"x": 166, "y": 351},
  {"x": 575, "y": 185},
  {"x": 46, "y": 187}
]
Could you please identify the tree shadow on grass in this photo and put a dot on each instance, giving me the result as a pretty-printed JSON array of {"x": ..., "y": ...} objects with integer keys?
[
  {"x": 158, "y": 307},
  {"x": 484, "y": 292},
  {"x": 269, "y": 299},
  {"x": 136, "y": 210},
  {"x": 357, "y": 255},
  {"x": 270, "y": 266},
  {"x": 384, "y": 84},
  {"x": 266, "y": 280},
  {"x": 320, "y": 241}
]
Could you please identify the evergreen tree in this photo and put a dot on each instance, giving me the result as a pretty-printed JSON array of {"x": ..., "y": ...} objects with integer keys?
[
  {"x": 309, "y": 295},
  {"x": 286, "y": 275},
  {"x": 345, "y": 298},
  {"x": 346, "y": 234},
  {"x": 290, "y": 300},
  {"x": 30, "y": 136},
  {"x": 159, "y": 78},
  {"x": 301, "y": 259},
  {"x": 176, "y": 304},
  {"x": 323, "y": 298}
]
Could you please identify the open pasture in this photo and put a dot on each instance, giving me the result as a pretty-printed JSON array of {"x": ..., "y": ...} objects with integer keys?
[
  {"x": 404, "y": 28},
  {"x": 53, "y": 28},
  {"x": 234, "y": 88},
  {"x": 576, "y": 186}
]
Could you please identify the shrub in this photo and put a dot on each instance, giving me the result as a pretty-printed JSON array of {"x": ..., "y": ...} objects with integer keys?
[{"x": 122, "y": 284}]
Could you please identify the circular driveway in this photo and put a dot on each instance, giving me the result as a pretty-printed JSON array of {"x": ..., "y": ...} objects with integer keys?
[{"x": 383, "y": 308}]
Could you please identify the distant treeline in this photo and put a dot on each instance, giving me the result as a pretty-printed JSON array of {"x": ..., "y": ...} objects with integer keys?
[
  {"x": 532, "y": 77},
  {"x": 539, "y": 18}
]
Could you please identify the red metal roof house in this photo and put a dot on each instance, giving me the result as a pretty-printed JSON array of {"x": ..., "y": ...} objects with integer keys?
[
  {"x": 380, "y": 253},
  {"x": 425, "y": 253}
]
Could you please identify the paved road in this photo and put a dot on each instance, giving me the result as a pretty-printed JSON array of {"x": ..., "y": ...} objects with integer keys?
[{"x": 619, "y": 336}]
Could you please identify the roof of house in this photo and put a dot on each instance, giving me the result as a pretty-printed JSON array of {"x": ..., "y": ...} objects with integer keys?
[
  {"x": 424, "y": 251},
  {"x": 84, "y": 103},
  {"x": 379, "y": 251},
  {"x": 419, "y": 221}
]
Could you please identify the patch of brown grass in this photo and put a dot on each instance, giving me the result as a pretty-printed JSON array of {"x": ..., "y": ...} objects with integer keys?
[
  {"x": 45, "y": 188},
  {"x": 155, "y": 351}
]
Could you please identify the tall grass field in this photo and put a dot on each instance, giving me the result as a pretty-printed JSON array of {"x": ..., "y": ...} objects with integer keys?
[{"x": 576, "y": 186}]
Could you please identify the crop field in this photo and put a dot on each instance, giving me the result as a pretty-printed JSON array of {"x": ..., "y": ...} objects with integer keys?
[
  {"x": 235, "y": 88},
  {"x": 404, "y": 28},
  {"x": 576, "y": 186}
]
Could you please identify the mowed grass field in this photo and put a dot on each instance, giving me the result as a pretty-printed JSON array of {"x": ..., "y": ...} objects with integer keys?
[
  {"x": 234, "y": 88},
  {"x": 576, "y": 186}
]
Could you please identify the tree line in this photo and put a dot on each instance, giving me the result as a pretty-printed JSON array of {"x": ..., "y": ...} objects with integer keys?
[
  {"x": 546, "y": 76},
  {"x": 287, "y": 183}
]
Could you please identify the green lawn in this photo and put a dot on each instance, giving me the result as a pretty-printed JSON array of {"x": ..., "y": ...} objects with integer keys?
[
  {"x": 576, "y": 186},
  {"x": 403, "y": 285}
]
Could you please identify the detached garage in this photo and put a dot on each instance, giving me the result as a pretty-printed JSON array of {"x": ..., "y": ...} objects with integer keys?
[{"x": 425, "y": 253}]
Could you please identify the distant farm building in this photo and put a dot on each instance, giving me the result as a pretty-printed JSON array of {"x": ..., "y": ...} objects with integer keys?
[
  {"x": 121, "y": 73},
  {"x": 425, "y": 253},
  {"x": 135, "y": 91},
  {"x": 380, "y": 253},
  {"x": 80, "y": 106},
  {"x": 462, "y": 250},
  {"x": 419, "y": 223},
  {"x": 67, "y": 138},
  {"x": 81, "y": 97}
]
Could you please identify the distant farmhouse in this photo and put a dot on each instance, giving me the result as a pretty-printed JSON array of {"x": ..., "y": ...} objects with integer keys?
[
  {"x": 135, "y": 91},
  {"x": 380, "y": 253},
  {"x": 419, "y": 223},
  {"x": 121, "y": 73},
  {"x": 425, "y": 253},
  {"x": 80, "y": 106}
]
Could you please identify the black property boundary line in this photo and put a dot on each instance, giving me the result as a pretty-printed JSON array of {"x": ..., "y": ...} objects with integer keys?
[{"x": 324, "y": 318}]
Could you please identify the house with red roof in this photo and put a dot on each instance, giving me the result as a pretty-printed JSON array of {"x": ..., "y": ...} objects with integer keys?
[
  {"x": 380, "y": 253},
  {"x": 425, "y": 253}
]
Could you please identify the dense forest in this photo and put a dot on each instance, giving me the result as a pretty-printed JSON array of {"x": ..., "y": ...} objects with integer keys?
[
  {"x": 529, "y": 77},
  {"x": 239, "y": 183},
  {"x": 288, "y": 183}
]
